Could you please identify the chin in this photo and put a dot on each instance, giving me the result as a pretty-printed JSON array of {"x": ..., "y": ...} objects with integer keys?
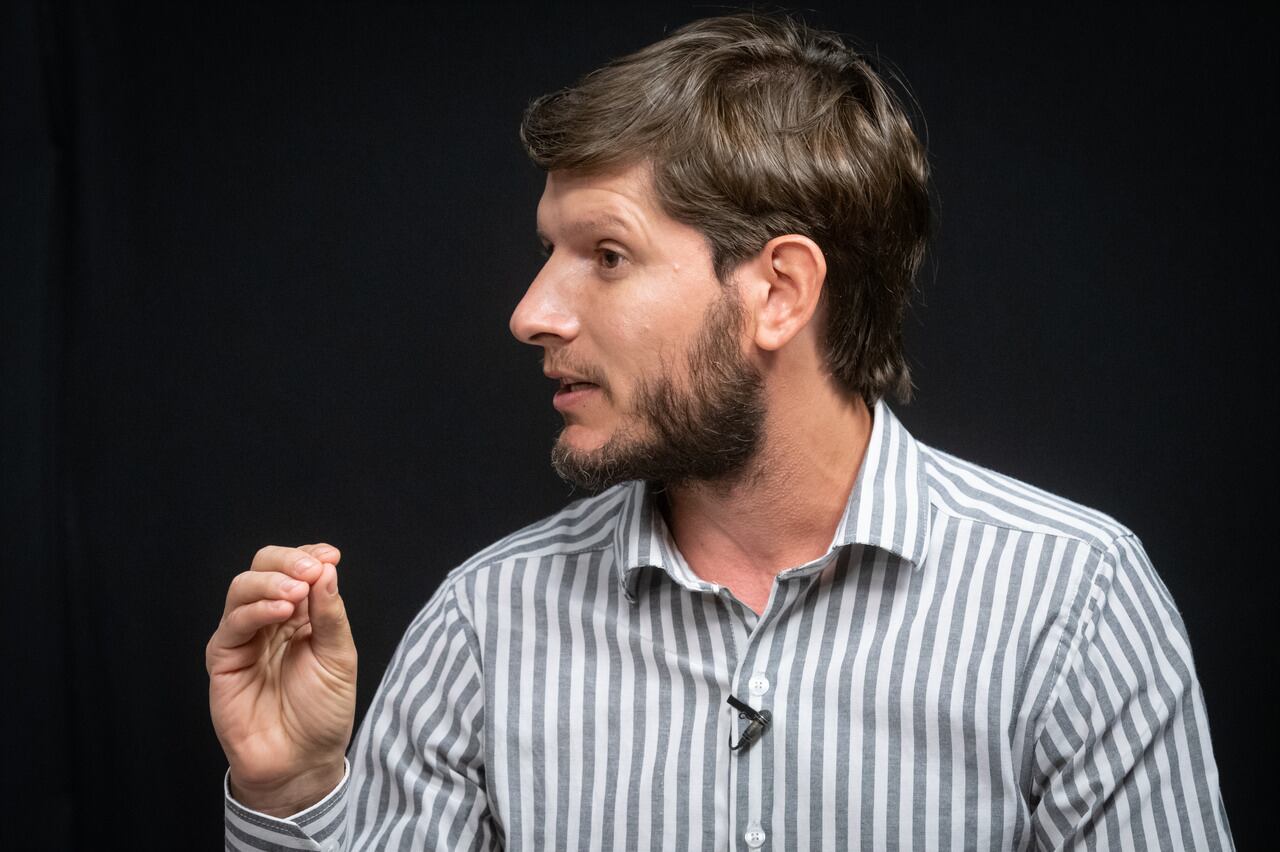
[{"x": 579, "y": 439}]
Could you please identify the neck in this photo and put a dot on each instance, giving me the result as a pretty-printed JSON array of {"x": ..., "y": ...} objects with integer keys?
[{"x": 783, "y": 510}]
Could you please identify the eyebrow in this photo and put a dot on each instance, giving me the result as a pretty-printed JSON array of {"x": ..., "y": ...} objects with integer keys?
[{"x": 591, "y": 224}]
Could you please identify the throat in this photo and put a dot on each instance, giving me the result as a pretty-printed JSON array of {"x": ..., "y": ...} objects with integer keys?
[{"x": 782, "y": 515}]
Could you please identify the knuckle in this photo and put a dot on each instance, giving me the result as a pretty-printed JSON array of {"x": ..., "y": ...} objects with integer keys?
[
  {"x": 322, "y": 551},
  {"x": 272, "y": 556},
  {"x": 211, "y": 652}
]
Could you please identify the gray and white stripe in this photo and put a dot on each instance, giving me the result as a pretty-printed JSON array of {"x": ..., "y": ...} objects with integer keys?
[{"x": 974, "y": 664}]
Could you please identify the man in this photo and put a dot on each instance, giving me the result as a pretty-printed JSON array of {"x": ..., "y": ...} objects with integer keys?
[{"x": 783, "y": 623}]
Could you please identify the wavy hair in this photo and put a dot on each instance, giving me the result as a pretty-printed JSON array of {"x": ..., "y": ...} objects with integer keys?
[{"x": 757, "y": 126}]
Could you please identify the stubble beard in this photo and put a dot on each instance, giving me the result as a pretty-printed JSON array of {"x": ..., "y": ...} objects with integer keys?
[{"x": 707, "y": 432}]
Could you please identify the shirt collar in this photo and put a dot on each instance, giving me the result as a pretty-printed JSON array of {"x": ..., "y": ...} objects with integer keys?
[{"x": 888, "y": 508}]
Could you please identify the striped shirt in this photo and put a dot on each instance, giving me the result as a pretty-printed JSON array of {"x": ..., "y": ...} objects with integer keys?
[{"x": 973, "y": 664}]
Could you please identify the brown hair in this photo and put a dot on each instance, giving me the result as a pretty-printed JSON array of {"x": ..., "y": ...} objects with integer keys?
[{"x": 757, "y": 126}]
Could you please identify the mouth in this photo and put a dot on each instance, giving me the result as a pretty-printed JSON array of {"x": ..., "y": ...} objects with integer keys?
[
  {"x": 572, "y": 393},
  {"x": 567, "y": 386}
]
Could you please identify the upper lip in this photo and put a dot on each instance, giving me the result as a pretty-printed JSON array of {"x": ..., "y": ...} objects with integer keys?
[{"x": 566, "y": 378}]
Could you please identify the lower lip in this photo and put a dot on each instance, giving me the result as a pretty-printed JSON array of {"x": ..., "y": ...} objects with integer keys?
[{"x": 567, "y": 399}]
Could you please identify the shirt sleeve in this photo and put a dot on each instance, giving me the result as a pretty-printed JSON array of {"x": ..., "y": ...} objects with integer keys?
[
  {"x": 415, "y": 777},
  {"x": 1124, "y": 760}
]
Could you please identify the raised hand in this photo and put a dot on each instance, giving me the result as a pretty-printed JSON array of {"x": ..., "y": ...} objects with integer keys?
[{"x": 282, "y": 679}]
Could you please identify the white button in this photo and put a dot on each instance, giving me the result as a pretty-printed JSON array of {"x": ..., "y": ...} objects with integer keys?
[
  {"x": 759, "y": 684},
  {"x": 754, "y": 837}
]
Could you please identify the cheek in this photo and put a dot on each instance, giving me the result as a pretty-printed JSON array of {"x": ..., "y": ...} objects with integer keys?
[
  {"x": 654, "y": 327},
  {"x": 635, "y": 334},
  {"x": 648, "y": 322},
  {"x": 629, "y": 340}
]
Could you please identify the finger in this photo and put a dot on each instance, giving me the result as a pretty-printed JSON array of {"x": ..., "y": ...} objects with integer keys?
[
  {"x": 330, "y": 630},
  {"x": 295, "y": 562},
  {"x": 259, "y": 585},
  {"x": 323, "y": 552},
  {"x": 244, "y": 622}
]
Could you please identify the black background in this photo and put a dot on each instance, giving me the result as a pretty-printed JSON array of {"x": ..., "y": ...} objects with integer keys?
[{"x": 257, "y": 268}]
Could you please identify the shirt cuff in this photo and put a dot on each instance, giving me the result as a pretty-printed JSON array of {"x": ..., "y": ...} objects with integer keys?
[{"x": 320, "y": 827}]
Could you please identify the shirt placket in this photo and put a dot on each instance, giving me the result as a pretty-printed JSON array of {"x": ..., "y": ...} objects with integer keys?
[
  {"x": 751, "y": 793},
  {"x": 755, "y": 680}
]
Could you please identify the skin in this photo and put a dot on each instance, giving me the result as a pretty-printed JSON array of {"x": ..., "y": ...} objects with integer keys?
[
  {"x": 623, "y": 292},
  {"x": 282, "y": 679}
]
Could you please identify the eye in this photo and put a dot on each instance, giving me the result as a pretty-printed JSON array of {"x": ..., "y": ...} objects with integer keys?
[{"x": 610, "y": 259}]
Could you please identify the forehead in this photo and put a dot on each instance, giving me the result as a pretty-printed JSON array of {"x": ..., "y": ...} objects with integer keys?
[{"x": 622, "y": 199}]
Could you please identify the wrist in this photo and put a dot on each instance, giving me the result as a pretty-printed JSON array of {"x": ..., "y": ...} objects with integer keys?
[{"x": 291, "y": 796}]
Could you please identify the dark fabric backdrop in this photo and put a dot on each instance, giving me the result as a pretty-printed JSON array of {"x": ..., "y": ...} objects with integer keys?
[{"x": 258, "y": 263}]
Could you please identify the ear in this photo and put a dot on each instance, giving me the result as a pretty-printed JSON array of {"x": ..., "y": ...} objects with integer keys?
[{"x": 789, "y": 274}]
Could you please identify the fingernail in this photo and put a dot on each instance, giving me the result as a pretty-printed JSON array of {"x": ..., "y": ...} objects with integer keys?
[
  {"x": 333, "y": 585},
  {"x": 307, "y": 564},
  {"x": 289, "y": 586}
]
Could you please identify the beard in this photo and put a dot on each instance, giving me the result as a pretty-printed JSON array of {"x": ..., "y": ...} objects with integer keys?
[{"x": 706, "y": 432}]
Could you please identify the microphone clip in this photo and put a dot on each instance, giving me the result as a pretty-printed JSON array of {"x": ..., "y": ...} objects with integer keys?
[{"x": 759, "y": 721}]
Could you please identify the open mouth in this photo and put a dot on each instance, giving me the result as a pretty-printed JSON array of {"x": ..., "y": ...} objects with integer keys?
[{"x": 573, "y": 393}]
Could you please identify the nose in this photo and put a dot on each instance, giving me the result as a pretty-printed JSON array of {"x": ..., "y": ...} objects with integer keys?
[{"x": 544, "y": 314}]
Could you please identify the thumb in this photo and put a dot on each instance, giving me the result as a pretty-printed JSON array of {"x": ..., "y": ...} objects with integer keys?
[{"x": 330, "y": 630}]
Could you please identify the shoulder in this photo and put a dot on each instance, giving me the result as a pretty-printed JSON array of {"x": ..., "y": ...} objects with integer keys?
[
  {"x": 1089, "y": 565},
  {"x": 1076, "y": 554},
  {"x": 584, "y": 525},
  {"x": 1084, "y": 577},
  {"x": 481, "y": 587},
  {"x": 961, "y": 489}
]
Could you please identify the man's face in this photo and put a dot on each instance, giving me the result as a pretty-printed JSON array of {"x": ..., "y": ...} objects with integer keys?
[{"x": 646, "y": 344}]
